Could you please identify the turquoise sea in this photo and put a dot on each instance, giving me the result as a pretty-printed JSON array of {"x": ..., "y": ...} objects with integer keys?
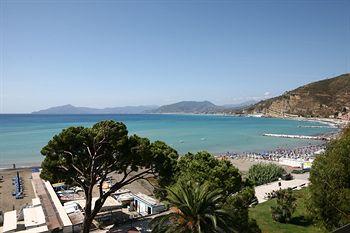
[{"x": 22, "y": 136}]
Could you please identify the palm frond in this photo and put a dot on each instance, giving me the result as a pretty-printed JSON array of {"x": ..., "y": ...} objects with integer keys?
[{"x": 198, "y": 209}]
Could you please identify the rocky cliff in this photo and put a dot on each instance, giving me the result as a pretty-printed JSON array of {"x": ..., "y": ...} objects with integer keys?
[{"x": 325, "y": 98}]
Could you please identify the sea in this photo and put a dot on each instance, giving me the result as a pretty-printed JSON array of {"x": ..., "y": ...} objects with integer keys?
[{"x": 23, "y": 135}]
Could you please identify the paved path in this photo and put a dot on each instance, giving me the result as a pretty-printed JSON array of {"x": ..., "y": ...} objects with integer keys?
[{"x": 260, "y": 191}]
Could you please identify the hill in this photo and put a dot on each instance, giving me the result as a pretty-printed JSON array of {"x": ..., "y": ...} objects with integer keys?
[
  {"x": 240, "y": 105},
  {"x": 325, "y": 98},
  {"x": 70, "y": 109},
  {"x": 189, "y": 107},
  {"x": 180, "y": 107}
]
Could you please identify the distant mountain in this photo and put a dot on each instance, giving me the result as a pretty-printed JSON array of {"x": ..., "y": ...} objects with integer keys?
[
  {"x": 189, "y": 107},
  {"x": 70, "y": 109},
  {"x": 325, "y": 98},
  {"x": 240, "y": 105},
  {"x": 237, "y": 108}
]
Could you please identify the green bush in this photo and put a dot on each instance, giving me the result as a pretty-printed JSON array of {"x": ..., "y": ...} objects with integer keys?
[
  {"x": 285, "y": 206},
  {"x": 238, "y": 206},
  {"x": 330, "y": 184},
  {"x": 263, "y": 173}
]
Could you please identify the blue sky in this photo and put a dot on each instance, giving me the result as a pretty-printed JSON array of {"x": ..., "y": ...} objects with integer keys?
[{"x": 116, "y": 53}]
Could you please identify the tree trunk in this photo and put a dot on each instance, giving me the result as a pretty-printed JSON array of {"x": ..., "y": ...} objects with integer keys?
[
  {"x": 87, "y": 217},
  {"x": 90, "y": 215},
  {"x": 87, "y": 224}
]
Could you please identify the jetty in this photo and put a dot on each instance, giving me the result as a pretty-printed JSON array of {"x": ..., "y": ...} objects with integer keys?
[
  {"x": 315, "y": 126},
  {"x": 323, "y": 138}
]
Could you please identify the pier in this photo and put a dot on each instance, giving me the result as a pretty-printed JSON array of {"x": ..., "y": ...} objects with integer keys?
[
  {"x": 297, "y": 136},
  {"x": 316, "y": 126}
]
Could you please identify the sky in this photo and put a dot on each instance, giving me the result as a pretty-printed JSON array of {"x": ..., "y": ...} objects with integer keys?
[{"x": 118, "y": 53}]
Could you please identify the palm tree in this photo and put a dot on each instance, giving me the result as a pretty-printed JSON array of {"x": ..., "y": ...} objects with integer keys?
[{"x": 194, "y": 208}]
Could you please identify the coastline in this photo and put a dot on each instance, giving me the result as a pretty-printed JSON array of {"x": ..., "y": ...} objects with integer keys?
[
  {"x": 334, "y": 124},
  {"x": 21, "y": 167}
]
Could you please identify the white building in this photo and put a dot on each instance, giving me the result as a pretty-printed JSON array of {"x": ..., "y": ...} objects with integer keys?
[{"x": 146, "y": 205}]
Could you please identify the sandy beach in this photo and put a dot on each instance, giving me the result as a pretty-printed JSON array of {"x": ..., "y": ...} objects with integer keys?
[
  {"x": 9, "y": 202},
  {"x": 243, "y": 165}
]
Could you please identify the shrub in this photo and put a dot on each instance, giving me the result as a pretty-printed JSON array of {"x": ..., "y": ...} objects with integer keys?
[
  {"x": 285, "y": 206},
  {"x": 263, "y": 173}
]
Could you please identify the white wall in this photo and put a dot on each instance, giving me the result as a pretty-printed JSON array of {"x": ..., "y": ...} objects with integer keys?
[
  {"x": 291, "y": 163},
  {"x": 142, "y": 207}
]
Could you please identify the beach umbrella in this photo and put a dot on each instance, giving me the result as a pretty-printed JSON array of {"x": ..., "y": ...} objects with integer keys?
[{"x": 18, "y": 183}]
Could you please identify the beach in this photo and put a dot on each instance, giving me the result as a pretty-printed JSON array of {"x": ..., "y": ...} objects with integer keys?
[{"x": 9, "y": 202}]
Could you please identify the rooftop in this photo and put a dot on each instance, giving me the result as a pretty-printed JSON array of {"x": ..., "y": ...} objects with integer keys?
[
  {"x": 109, "y": 203},
  {"x": 10, "y": 221},
  {"x": 124, "y": 197},
  {"x": 61, "y": 212},
  {"x": 35, "y": 230},
  {"x": 36, "y": 201},
  {"x": 76, "y": 217},
  {"x": 34, "y": 217},
  {"x": 146, "y": 198}
]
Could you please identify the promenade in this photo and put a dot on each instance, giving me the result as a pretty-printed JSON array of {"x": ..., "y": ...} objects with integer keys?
[{"x": 299, "y": 181}]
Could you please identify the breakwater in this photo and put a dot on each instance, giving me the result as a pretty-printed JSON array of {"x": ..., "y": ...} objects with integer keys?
[
  {"x": 323, "y": 138},
  {"x": 315, "y": 126}
]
